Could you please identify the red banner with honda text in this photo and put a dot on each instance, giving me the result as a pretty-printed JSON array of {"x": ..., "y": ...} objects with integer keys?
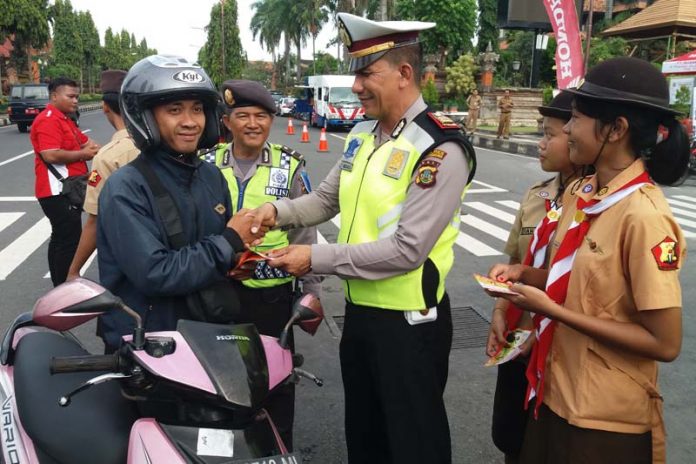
[{"x": 570, "y": 66}]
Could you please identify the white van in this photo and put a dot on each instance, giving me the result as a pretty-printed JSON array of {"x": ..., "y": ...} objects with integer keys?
[{"x": 333, "y": 102}]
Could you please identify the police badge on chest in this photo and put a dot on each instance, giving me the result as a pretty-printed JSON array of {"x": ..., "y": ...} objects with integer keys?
[{"x": 278, "y": 183}]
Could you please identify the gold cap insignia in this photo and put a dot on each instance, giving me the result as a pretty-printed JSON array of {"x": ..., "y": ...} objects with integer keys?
[{"x": 229, "y": 98}]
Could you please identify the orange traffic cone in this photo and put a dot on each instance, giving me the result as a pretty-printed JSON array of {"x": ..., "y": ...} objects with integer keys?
[
  {"x": 291, "y": 130},
  {"x": 305, "y": 134},
  {"x": 323, "y": 143}
]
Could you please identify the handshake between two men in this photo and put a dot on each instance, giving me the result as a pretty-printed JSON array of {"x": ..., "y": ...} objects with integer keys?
[{"x": 252, "y": 225}]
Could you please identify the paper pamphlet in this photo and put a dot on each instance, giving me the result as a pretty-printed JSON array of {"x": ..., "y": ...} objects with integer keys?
[
  {"x": 494, "y": 286},
  {"x": 510, "y": 350}
]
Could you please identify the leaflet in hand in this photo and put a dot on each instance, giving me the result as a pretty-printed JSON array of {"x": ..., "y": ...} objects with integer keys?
[
  {"x": 510, "y": 350},
  {"x": 493, "y": 285},
  {"x": 249, "y": 258}
]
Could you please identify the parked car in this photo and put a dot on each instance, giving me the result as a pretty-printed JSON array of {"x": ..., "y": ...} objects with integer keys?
[
  {"x": 277, "y": 97},
  {"x": 27, "y": 101},
  {"x": 286, "y": 106}
]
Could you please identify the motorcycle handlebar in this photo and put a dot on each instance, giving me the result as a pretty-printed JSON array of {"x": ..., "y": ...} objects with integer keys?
[{"x": 86, "y": 363}]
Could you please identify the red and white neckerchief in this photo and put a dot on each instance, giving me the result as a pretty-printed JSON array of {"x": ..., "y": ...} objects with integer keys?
[
  {"x": 536, "y": 253},
  {"x": 559, "y": 276}
]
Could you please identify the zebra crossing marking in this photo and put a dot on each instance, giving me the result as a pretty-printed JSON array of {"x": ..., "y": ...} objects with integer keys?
[
  {"x": 15, "y": 199},
  {"x": 7, "y": 219},
  {"x": 486, "y": 227},
  {"x": 491, "y": 211},
  {"x": 474, "y": 246},
  {"x": 509, "y": 203},
  {"x": 26, "y": 244},
  {"x": 684, "y": 197},
  {"x": 683, "y": 204},
  {"x": 683, "y": 212},
  {"x": 488, "y": 188}
]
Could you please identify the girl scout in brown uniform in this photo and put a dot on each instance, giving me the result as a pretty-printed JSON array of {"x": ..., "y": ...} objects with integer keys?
[
  {"x": 612, "y": 302},
  {"x": 542, "y": 199}
]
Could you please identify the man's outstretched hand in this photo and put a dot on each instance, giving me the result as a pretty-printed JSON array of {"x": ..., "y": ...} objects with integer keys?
[{"x": 243, "y": 223}]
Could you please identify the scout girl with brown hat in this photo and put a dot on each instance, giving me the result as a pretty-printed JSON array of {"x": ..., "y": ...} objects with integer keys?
[
  {"x": 612, "y": 302},
  {"x": 534, "y": 225}
]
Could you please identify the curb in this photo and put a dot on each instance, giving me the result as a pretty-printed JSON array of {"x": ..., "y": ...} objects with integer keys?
[
  {"x": 517, "y": 147},
  {"x": 5, "y": 121}
]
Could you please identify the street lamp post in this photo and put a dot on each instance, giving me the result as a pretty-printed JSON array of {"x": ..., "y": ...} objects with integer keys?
[{"x": 515, "y": 70}]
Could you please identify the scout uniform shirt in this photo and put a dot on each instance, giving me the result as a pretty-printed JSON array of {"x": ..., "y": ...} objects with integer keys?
[
  {"x": 474, "y": 102},
  {"x": 532, "y": 211},
  {"x": 427, "y": 211},
  {"x": 628, "y": 262},
  {"x": 505, "y": 104},
  {"x": 112, "y": 156}
]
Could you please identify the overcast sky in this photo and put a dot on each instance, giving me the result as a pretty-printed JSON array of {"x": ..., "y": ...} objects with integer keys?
[{"x": 175, "y": 26}]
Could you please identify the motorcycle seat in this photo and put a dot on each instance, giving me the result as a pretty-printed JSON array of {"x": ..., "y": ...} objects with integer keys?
[{"x": 94, "y": 428}]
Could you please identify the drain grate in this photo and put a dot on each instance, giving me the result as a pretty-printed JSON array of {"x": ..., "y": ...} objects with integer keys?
[{"x": 469, "y": 328}]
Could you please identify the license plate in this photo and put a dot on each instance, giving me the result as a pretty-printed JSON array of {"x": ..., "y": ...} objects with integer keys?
[
  {"x": 31, "y": 111},
  {"x": 284, "y": 459}
]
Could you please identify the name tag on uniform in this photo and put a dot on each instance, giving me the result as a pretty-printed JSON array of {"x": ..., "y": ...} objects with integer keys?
[
  {"x": 278, "y": 183},
  {"x": 527, "y": 230},
  {"x": 349, "y": 154}
]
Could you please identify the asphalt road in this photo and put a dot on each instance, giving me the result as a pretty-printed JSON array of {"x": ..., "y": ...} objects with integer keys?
[{"x": 488, "y": 211}]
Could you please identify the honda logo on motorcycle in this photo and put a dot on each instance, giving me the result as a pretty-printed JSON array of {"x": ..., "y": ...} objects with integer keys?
[
  {"x": 227, "y": 338},
  {"x": 190, "y": 77}
]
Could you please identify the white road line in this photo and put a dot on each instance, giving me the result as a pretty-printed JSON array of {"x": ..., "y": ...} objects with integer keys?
[
  {"x": 26, "y": 244},
  {"x": 13, "y": 199},
  {"x": 8, "y": 161},
  {"x": 483, "y": 226},
  {"x": 86, "y": 266},
  {"x": 337, "y": 136},
  {"x": 681, "y": 203},
  {"x": 509, "y": 203},
  {"x": 474, "y": 246},
  {"x": 688, "y": 234},
  {"x": 320, "y": 239},
  {"x": 337, "y": 221},
  {"x": 683, "y": 212},
  {"x": 684, "y": 197},
  {"x": 495, "y": 212},
  {"x": 489, "y": 188},
  {"x": 685, "y": 222},
  {"x": 6, "y": 219}
]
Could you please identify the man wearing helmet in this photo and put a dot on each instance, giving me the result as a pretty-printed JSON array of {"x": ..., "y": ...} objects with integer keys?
[{"x": 169, "y": 107}]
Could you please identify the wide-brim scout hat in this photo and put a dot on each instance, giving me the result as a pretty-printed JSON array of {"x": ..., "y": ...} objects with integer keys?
[
  {"x": 368, "y": 41},
  {"x": 239, "y": 93},
  {"x": 560, "y": 107},
  {"x": 626, "y": 80}
]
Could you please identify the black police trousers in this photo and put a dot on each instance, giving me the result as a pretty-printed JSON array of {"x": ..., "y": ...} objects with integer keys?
[
  {"x": 269, "y": 309},
  {"x": 394, "y": 377},
  {"x": 66, "y": 228}
]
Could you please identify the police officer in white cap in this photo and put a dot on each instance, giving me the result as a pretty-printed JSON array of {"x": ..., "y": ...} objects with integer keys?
[{"x": 398, "y": 187}]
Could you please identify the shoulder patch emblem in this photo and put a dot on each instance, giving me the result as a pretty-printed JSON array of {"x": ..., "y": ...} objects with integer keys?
[
  {"x": 437, "y": 153},
  {"x": 94, "y": 179},
  {"x": 442, "y": 121},
  {"x": 426, "y": 176},
  {"x": 666, "y": 254},
  {"x": 294, "y": 153}
]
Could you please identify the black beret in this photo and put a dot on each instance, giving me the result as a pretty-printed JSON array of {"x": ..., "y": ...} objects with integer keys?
[
  {"x": 559, "y": 108},
  {"x": 111, "y": 80},
  {"x": 238, "y": 93},
  {"x": 626, "y": 80}
]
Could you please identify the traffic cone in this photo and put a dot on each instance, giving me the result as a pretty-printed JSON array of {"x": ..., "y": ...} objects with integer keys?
[
  {"x": 291, "y": 130},
  {"x": 305, "y": 134},
  {"x": 323, "y": 143}
]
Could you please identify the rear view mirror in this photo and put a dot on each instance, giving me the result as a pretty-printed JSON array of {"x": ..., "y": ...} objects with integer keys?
[
  {"x": 73, "y": 303},
  {"x": 308, "y": 312}
]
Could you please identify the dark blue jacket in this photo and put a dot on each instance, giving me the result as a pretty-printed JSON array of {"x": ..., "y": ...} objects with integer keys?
[{"x": 135, "y": 261}]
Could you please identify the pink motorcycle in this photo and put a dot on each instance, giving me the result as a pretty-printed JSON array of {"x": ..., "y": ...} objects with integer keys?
[{"x": 194, "y": 395}]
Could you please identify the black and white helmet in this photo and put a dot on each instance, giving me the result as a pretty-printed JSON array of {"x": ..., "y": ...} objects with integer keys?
[{"x": 160, "y": 79}]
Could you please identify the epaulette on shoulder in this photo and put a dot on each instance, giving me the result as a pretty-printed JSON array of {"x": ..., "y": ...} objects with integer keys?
[
  {"x": 294, "y": 153},
  {"x": 442, "y": 121}
]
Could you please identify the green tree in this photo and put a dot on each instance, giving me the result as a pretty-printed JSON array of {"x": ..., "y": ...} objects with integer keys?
[
  {"x": 456, "y": 25},
  {"x": 68, "y": 49},
  {"x": 430, "y": 94},
  {"x": 267, "y": 26},
  {"x": 28, "y": 21},
  {"x": 683, "y": 100},
  {"x": 89, "y": 36},
  {"x": 326, "y": 63},
  {"x": 461, "y": 76},
  {"x": 488, "y": 25},
  {"x": 222, "y": 55}
]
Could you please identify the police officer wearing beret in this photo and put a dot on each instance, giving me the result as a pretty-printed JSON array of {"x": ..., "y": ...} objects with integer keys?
[
  {"x": 257, "y": 172},
  {"x": 115, "y": 154},
  {"x": 398, "y": 187}
]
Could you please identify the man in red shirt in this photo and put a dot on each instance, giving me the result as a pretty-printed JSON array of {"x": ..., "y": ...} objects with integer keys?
[{"x": 57, "y": 140}]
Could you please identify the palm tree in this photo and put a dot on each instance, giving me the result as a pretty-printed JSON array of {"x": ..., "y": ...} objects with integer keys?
[
  {"x": 264, "y": 25},
  {"x": 276, "y": 17}
]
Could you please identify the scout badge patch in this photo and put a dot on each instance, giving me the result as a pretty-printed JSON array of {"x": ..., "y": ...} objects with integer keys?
[
  {"x": 94, "y": 179},
  {"x": 426, "y": 175},
  {"x": 395, "y": 163},
  {"x": 349, "y": 154},
  {"x": 666, "y": 254}
]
